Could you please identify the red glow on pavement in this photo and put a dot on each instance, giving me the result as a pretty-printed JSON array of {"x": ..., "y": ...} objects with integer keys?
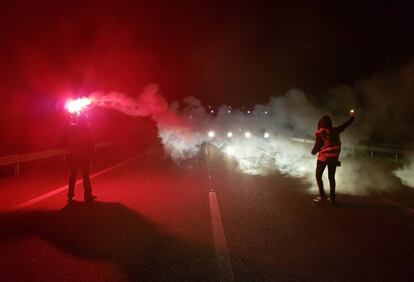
[{"x": 76, "y": 106}]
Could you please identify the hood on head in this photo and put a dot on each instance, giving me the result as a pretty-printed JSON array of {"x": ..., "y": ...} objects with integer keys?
[{"x": 325, "y": 122}]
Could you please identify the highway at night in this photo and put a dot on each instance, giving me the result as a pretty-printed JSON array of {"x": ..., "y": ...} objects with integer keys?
[
  {"x": 155, "y": 220},
  {"x": 206, "y": 140}
]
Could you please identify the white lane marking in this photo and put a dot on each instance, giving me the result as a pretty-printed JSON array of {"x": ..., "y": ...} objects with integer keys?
[
  {"x": 65, "y": 187},
  {"x": 392, "y": 203},
  {"x": 224, "y": 269}
]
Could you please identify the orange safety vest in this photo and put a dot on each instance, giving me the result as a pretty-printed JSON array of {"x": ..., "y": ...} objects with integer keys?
[{"x": 331, "y": 146}]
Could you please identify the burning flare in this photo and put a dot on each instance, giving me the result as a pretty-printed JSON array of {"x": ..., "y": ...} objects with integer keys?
[{"x": 77, "y": 105}]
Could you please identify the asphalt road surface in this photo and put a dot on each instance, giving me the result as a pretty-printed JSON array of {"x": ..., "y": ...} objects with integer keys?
[{"x": 155, "y": 220}]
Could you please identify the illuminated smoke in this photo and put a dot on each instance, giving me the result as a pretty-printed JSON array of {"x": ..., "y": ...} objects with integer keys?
[
  {"x": 178, "y": 135},
  {"x": 260, "y": 141},
  {"x": 406, "y": 173},
  {"x": 148, "y": 103},
  {"x": 387, "y": 103}
]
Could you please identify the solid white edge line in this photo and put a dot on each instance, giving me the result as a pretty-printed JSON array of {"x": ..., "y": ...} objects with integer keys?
[
  {"x": 65, "y": 187},
  {"x": 224, "y": 270}
]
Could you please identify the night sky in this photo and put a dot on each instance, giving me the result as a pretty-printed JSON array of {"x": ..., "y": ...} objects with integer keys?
[{"x": 234, "y": 53}]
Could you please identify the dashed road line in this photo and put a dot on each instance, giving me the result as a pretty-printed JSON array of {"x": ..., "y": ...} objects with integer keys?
[
  {"x": 65, "y": 187},
  {"x": 224, "y": 270}
]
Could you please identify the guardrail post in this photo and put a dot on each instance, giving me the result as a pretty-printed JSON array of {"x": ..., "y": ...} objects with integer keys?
[
  {"x": 396, "y": 158},
  {"x": 17, "y": 169},
  {"x": 372, "y": 154}
]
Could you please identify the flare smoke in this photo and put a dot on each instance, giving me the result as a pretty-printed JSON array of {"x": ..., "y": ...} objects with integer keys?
[{"x": 184, "y": 131}]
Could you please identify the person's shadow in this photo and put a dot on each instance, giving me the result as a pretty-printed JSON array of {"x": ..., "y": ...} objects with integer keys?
[{"x": 113, "y": 232}]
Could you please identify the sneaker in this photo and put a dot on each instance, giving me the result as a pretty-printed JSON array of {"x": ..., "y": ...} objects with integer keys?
[
  {"x": 319, "y": 199},
  {"x": 332, "y": 201},
  {"x": 90, "y": 198}
]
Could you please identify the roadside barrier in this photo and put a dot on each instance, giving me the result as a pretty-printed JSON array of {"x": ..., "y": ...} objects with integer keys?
[
  {"x": 396, "y": 153},
  {"x": 16, "y": 160}
]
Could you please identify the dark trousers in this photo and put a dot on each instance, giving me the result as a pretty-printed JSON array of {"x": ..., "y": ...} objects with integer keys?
[
  {"x": 320, "y": 168},
  {"x": 84, "y": 165}
]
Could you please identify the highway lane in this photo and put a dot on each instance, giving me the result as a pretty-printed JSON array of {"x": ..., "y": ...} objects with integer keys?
[
  {"x": 153, "y": 222},
  {"x": 40, "y": 177},
  {"x": 275, "y": 231}
]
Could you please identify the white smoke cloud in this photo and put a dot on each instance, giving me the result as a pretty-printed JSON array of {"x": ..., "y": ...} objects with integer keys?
[
  {"x": 387, "y": 103},
  {"x": 183, "y": 131},
  {"x": 406, "y": 173}
]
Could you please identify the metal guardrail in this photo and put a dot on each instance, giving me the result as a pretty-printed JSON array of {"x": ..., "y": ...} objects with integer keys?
[
  {"x": 17, "y": 159},
  {"x": 396, "y": 152}
]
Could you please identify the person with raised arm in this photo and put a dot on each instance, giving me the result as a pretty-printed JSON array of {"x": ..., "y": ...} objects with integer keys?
[{"x": 328, "y": 147}]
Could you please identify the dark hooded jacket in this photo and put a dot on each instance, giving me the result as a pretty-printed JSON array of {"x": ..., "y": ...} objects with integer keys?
[{"x": 80, "y": 141}]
